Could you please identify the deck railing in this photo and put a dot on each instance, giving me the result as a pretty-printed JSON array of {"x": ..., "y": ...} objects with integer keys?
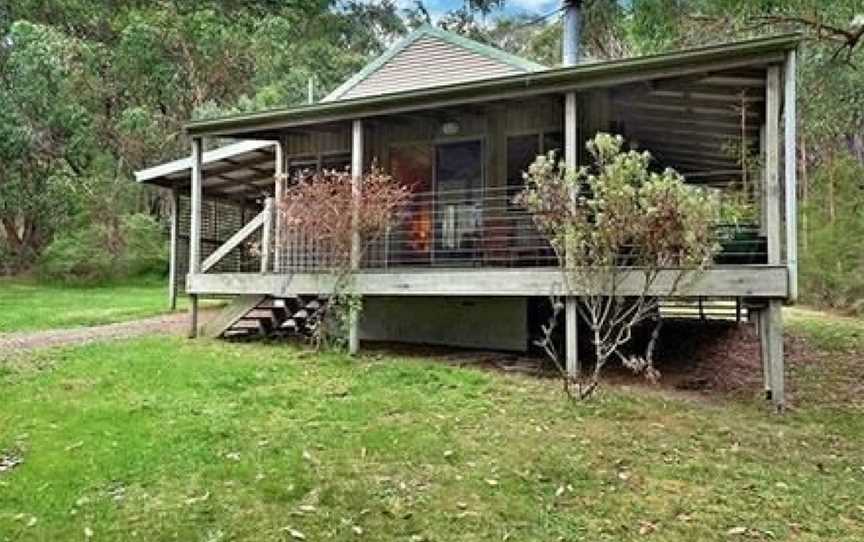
[{"x": 473, "y": 229}]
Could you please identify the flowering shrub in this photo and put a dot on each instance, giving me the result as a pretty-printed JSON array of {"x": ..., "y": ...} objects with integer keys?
[
  {"x": 614, "y": 221},
  {"x": 324, "y": 209}
]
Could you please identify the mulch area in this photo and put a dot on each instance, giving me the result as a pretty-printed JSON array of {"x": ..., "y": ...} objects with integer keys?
[{"x": 706, "y": 358}]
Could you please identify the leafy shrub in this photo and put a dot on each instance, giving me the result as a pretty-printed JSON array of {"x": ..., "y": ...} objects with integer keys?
[{"x": 133, "y": 247}]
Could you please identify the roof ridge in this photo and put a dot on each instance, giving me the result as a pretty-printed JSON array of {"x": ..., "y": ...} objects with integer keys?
[{"x": 452, "y": 38}]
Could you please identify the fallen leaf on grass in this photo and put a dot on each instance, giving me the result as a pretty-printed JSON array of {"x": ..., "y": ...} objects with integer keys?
[
  {"x": 193, "y": 500},
  {"x": 647, "y": 527},
  {"x": 295, "y": 534}
]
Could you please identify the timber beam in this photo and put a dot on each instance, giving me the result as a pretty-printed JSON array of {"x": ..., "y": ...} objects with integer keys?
[{"x": 753, "y": 281}]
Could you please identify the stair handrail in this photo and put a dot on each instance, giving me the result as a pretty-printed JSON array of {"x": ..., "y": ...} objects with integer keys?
[{"x": 263, "y": 219}]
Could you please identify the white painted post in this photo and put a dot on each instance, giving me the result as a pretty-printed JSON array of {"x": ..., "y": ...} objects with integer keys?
[
  {"x": 195, "y": 228},
  {"x": 790, "y": 123},
  {"x": 356, "y": 180},
  {"x": 172, "y": 261},
  {"x": 771, "y": 190},
  {"x": 571, "y": 159},
  {"x": 280, "y": 171},
  {"x": 266, "y": 235}
]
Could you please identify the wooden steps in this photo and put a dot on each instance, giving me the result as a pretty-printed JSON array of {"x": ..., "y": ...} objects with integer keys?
[{"x": 253, "y": 316}]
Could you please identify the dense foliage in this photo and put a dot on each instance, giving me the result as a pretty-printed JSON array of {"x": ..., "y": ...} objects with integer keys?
[{"x": 93, "y": 89}]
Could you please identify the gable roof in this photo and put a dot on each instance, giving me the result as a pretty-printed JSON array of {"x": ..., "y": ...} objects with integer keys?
[{"x": 428, "y": 57}]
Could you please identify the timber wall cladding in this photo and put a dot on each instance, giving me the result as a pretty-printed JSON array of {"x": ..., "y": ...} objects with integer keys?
[{"x": 219, "y": 221}]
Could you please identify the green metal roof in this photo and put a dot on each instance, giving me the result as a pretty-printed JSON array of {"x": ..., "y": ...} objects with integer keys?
[
  {"x": 716, "y": 57},
  {"x": 491, "y": 53}
]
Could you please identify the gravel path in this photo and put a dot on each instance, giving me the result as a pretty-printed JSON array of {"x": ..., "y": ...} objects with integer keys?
[{"x": 11, "y": 343}]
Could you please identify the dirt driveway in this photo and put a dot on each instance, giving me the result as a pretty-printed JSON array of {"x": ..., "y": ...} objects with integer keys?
[{"x": 12, "y": 343}]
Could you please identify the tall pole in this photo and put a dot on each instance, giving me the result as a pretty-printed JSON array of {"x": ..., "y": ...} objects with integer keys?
[{"x": 570, "y": 55}]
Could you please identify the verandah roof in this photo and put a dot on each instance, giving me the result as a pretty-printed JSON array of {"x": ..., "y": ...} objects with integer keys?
[
  {"x": 681, "y": 106},
  {"x": 265, "y": 125},
  {"x": 244, "y": 169}
]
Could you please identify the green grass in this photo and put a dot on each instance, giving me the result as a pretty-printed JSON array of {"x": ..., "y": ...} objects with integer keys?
[
  {"x": 167, "y": 439},
  {"x": 29, "y": 305},
  {"x": 828, "y": 332}
]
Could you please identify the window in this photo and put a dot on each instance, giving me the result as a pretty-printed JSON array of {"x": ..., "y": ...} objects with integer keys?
[
  {"x": 336, "y": 162},
  {"x": 553, "y": 141},
  {"x": 521, "y": 151}
]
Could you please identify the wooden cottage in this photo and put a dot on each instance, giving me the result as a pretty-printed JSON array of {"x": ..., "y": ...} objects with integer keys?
[{"x": 459, "y": 122}]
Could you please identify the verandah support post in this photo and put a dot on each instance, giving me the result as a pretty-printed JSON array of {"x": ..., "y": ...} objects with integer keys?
[
  {"x": 195, "y": 229},
  {"x": 266, "y": 235},
  {"x": 771, "y": 181},
  {"x": 764, "y": 353},
  {"x": 774, "y": 340},
  {"x": 571, "y": 309},
  {"x": 281, "y": 174},
  {"x": 771, "y": 335},
  {"x": 356, "y": 179},
  {"x": 790, "y": 165},
  {"x": 174, "y": 205}
]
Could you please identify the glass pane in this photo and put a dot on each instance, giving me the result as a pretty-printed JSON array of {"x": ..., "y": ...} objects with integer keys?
[
  {"x": 301, "y": 168},
  {"x": 336, "y": 162},
  {"x": 458, "y": 213},
  {"x": 554, "y": 141},
  {"x": 521, "y": 151},
  {"x": 411, "y": 239}
]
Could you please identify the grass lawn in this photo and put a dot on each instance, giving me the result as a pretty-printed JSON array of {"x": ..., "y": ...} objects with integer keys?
[
  {"x": 162, "y": 438},
  {"x": 29, "y": 305}
]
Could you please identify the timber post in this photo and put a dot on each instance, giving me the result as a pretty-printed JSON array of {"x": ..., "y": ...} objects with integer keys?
[
  {"x": 571, "y": 308},
  {"x": 195, "y": 228},
  {"x": 771, "y": 318},
  {"x": 356, "y": 188},
  {"x": 267, "y": 236},
  {"x": 174, "y": 205},
  {"x": 281, "y": 182},
  {"x": 790, "y": 169}
]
